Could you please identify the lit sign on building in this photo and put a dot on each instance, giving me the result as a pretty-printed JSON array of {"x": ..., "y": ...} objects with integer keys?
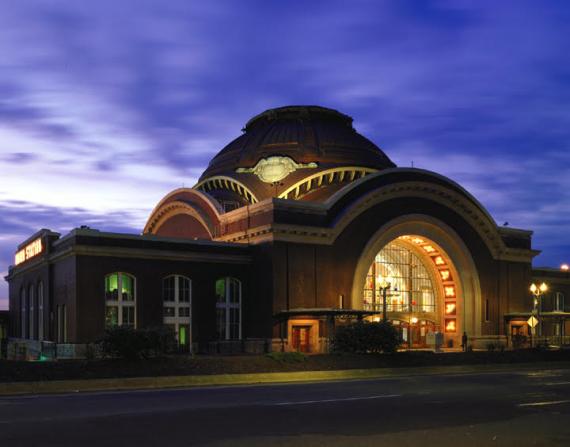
[{"x": 29, "y": 251}]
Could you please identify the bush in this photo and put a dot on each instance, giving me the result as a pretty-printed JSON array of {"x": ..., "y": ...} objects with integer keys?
[
  {"x": 287, "y": 357},
  {"x": 364, "y": 337},
  {"x": 131, "y": 344},
  {"x": 519, "y": 341}
]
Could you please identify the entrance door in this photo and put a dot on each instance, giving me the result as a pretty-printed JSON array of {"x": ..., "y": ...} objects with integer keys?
[{"x": 301, "y": 338}]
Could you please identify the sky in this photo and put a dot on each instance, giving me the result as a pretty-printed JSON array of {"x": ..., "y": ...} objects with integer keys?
[{"x": 107, "y": 106}]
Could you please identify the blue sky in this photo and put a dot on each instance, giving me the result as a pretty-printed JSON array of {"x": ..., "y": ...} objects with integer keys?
[{"x": 106, "y": 106}]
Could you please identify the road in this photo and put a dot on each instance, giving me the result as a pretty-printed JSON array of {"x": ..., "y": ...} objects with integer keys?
[{"x": 518, "y": 408}]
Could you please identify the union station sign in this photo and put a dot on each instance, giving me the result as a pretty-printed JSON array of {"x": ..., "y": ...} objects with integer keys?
[{"x": 30, "y": 251}]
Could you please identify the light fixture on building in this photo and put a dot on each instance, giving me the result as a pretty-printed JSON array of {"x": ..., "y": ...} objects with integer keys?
[
  {"x": 564, "y": 267},
  {"x": 537, "y": 291},
  {"x": 439, "y": 261},
  {"x": 414, "y": 320}
]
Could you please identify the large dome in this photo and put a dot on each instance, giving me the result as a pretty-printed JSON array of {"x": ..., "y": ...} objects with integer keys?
[{"x": 294, "y": 152}]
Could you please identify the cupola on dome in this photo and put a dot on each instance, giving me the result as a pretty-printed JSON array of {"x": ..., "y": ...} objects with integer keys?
[{"x": 293, "y": 152}]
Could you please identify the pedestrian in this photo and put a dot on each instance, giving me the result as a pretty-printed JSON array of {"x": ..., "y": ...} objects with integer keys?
[{"x": 464, "y": 341}]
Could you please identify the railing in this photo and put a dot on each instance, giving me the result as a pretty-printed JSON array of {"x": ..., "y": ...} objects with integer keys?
[{"x": 403, "y": 308}]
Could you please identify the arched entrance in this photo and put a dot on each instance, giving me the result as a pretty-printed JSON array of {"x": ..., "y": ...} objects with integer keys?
[
  {"x": 434, "y": 282},
  {"x": 415, "y": 278}
]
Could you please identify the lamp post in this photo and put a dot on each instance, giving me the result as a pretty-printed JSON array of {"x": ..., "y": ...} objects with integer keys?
[
  {"x": 384, "y": 287},
  {"x": 537, "y": 291}
]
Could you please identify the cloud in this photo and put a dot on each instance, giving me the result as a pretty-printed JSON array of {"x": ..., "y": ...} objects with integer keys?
[{"x": 107, "y": 106}]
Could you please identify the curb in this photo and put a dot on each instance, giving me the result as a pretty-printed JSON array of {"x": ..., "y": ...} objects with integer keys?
[{"x": 165, "y": 382}]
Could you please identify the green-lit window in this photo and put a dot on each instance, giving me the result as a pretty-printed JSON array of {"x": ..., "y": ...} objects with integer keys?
[
  {"x": 228, "y": 309},
  {"x": 120, "y": 302},
  {"x": 176, "y": 296}
]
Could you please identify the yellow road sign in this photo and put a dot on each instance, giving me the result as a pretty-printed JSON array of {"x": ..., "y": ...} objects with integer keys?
[{"x": 532, "y": 321}]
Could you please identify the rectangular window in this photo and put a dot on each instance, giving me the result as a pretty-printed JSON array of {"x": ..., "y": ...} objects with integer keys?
[
  {"x": 40, "y": 312},
  {"x": 183, "y": 311},
  {"x": 111, "y": 316},
  {"x": 62, "y": 323},
  {"x": 31, "y": 313},
  {"x": 23, "y": 315},
  {"x": 487, "y": 316},
  {"x": 169, "y": 311},
  {"x": 128, "y": 316}
]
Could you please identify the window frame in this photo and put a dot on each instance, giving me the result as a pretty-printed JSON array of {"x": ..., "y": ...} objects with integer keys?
[
  {"x": 23, "y": 312},
  {"x": 120, "y": 303},
  {"x": 226, "y": 306},
  {"x": 31, "y": 312},
  {"x": 559, "y": 302},
  {"x": 177, "y": 320},
  {"x": 40, "y": 295}
]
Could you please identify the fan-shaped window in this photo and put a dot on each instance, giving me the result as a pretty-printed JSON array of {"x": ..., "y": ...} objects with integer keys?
[
  {"x": 177, "y": 302},
  {"x": 120, "y": 302},
  {"x": 228, "y": 309}
]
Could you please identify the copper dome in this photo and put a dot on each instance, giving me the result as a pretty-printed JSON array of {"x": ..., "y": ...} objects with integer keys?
[{"x": 300, "y": 141}]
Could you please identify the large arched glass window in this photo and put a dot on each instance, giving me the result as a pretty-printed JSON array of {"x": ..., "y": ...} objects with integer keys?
[
  {"x": 23, "y": 313},
  {"x": 177, "y": 299},
  {"x": 31, "y": 312},
  {"x": 120, "y": 301},
  {"x": 40, "y": 311},
  {"x": 228, "y": 309}
]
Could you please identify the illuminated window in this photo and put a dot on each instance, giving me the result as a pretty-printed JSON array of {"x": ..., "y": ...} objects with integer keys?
[
  {"x": 445, "y": 275},
  {"x": 449, "y": 291},
  {"x": 411, "y": 286},
  {"x": 439, "y": 260},
  {"x": 40, "y": 311},
  {"x": 23, "y": 314},
  {"x": 31, "y": 313},
  {"x": 450, "y": 308},
  {"x": 417, "y": 240},
  {"x": 176, "y": 297},
  {"x": 450, "y": 325},
  {"x": 120, "y": 303},
  {"x": 428, "y": 248},
  {"x": 228, "y": 309}
]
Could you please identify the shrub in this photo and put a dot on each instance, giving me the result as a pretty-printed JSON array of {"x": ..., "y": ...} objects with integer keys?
[
  {"x": 364, "y": 337},
  {"x": 287, "y": 357},
  {"x": 131, "y": 344},
  {"x": 519, "y": 341}
]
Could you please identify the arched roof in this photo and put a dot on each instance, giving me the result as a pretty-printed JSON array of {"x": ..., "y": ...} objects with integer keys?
[{"x": 300, "y": 141}]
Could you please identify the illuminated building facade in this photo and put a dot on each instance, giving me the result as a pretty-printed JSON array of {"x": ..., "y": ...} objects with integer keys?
[{"x": 298, "y": 225}]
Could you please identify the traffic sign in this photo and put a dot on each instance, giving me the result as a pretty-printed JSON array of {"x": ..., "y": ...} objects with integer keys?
[{"x": 532, "y": 321}]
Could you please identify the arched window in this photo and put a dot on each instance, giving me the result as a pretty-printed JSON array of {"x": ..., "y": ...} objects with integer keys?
[
  {"x": 177, "y": 302},
  {"x": 559, "y": 302},
  {"x": 23, "y": 313},
  {"x": 228, "y": 309},
  {"x": 40, "y": 311},
  {"x": 120, "y": 301},
  {"x": 31, "y": 309}
]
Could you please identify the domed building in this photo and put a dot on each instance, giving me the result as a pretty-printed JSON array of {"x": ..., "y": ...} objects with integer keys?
[{"x": 297, "y": 226}]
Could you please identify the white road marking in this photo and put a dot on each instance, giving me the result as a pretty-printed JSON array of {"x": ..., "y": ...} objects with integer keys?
[
  {"x": 556, "y": 383},
  {"x": 540, "y": 404},
  {"x": 346, "y": 399}
]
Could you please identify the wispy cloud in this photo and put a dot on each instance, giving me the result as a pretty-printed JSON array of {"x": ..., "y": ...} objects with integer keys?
[{"x": 106, "y": 106}]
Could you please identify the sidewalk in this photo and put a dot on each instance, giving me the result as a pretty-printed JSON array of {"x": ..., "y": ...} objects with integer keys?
[{"x": 146, "y": 383}]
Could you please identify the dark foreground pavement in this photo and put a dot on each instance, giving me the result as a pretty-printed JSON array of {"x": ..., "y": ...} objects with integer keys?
[{"x": 518, "y": 408}]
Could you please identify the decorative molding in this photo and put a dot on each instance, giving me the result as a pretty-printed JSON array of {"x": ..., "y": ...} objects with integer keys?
[
  {"x": 276, "y": 168},
  {"x": 326, "y": 177},
  {"x": 227, "y": 183},
  {"x": 172, "y": 209}
]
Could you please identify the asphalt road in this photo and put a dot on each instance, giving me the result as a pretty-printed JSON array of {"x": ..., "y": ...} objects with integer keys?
[{"x": 499, "y": 409}]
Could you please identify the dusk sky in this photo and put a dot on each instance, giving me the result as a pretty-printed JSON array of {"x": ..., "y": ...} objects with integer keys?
[{"x": 106, "y": 106}]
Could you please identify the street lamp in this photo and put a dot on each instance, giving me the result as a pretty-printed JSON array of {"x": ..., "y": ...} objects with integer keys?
[
  {"x": 384, "y": 285},
  {"x": 537, "y": 291}
]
